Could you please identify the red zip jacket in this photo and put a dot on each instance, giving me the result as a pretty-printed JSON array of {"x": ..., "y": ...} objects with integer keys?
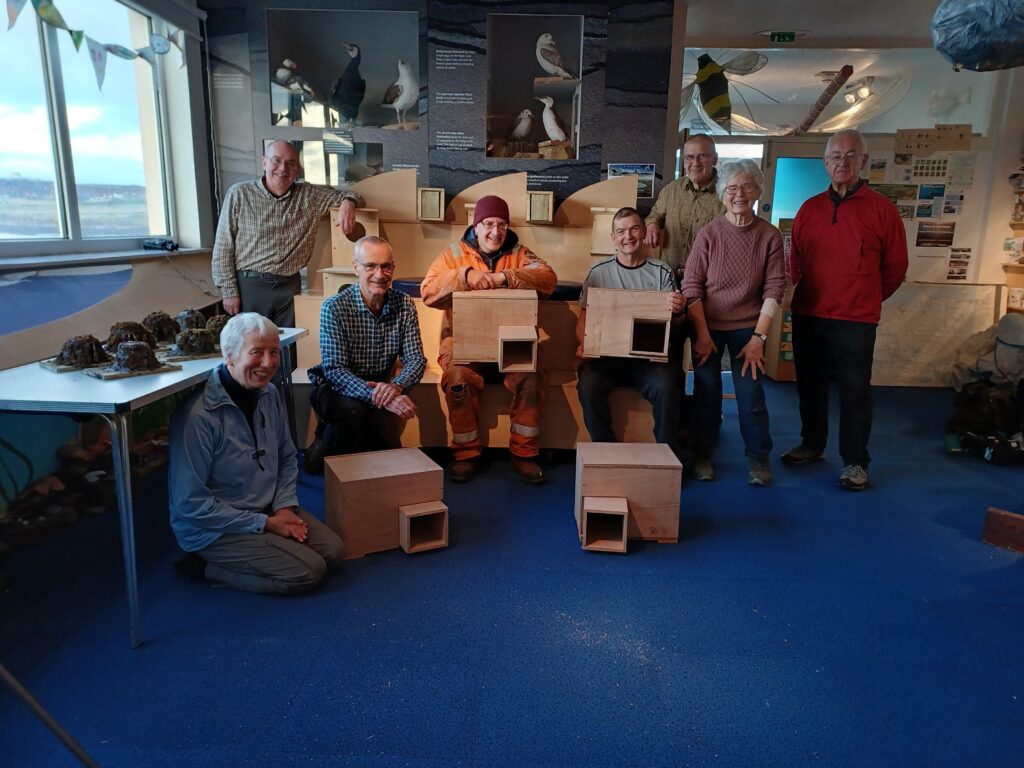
[{"x": 848, "y": 257}]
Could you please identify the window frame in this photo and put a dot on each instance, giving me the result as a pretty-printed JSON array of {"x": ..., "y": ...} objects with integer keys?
[{"x": 66, "y": 192}]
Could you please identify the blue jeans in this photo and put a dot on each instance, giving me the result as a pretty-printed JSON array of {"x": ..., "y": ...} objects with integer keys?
[
  {"x": 750, "y": 402},
  {"x": 819, "y": 346}
]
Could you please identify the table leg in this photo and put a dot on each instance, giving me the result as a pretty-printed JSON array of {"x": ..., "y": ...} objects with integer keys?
[
  {"x": 286, "y": 390},
  {"x": 119, "y": 437}
]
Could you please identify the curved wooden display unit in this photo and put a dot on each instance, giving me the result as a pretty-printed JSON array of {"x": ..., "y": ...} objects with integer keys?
[{"x": 565, "y": 243}]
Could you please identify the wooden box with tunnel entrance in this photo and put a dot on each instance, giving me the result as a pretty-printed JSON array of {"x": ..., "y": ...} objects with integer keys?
[
  {"x": 364, "y": 493},
  {"x": 627, "y": 324},
  {"x": 604, "y": 523},
  {"x": 477, "y": 319},
  {"x": 647, "y": 475}
]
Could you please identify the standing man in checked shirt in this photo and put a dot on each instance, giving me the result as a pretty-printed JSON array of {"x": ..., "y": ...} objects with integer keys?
[
  {"x": 364, "y": 330},
  {"x": 685, "y": 205},
  {"x": 266, "y": 233}
]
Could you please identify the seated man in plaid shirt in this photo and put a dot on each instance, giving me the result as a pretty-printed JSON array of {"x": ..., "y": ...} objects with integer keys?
[{"x": 364, "y": 330}]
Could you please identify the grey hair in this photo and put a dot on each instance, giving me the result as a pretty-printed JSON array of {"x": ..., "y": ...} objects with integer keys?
[
  {"x": 702, "y": 137},
  {"x": 728, "y": 171},
  {"x": 370, "y": 240},
  {"x": 848, "y": 132},
  {"x": 232, "y": 338}
]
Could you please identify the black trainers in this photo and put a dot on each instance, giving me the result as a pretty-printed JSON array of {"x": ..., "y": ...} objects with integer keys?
[
  {"x": 802, "y": 454},
  {"x": 313, "y": 457}
]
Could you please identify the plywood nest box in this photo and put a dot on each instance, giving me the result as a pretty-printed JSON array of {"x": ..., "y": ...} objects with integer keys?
[
  {"x": 604, "y": 523},
  {"x": 627, "y": 324},
  {"x": 496, "y": 326},
  {"x": 343, "y": 246},
  {"x": 646, "y": 477},
  {"x": 381, "y": 500}
]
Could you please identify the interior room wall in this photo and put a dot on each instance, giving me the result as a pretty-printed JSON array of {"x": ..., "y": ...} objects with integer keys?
[{"x": 626, "y": 51}]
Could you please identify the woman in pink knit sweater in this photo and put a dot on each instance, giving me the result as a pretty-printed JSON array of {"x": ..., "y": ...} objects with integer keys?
[{"x": 734, "y": 283}]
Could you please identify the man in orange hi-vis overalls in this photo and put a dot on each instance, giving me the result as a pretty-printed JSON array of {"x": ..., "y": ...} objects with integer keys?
[{"x": 488, "y": 257}]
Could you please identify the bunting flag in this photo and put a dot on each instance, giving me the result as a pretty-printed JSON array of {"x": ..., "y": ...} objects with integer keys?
[
  {"x": 13, "y": 9},
  {"x": 98, "y": 57},
  {"x": 158, "y": 44},
  {"x": 120, "y": 51},
  {"x": 48, "y": 12}
]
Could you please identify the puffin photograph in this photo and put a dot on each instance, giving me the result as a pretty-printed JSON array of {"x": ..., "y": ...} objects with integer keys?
[{"x": 349, "y": 89}]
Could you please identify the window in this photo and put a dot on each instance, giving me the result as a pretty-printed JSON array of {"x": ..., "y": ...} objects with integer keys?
[{"x": 81, "y": 168}]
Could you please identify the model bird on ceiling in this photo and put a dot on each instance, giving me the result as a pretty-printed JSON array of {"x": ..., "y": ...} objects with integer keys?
[
  {"x": 552, "y": 124},
  {"x": 712, "y": 85},
  {"x": 550, "y": 59},
  {"x": 349, "y": 89},
  {"x": 522, "y": 127},
  {"x": 288, "y": 75},
  {"x": 403, "y": 93}
]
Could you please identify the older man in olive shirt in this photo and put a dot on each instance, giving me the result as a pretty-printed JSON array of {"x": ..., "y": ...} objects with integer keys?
[{"x": 685, "y": 205}]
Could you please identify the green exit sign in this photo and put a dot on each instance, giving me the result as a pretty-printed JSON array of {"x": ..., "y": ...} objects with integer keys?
[{"x": 783, "y": 37}]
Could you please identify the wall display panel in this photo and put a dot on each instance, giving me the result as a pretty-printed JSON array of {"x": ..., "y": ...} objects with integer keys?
[
  {"x": 533, "y": 86},
  {"x": 614, "y": 108},
  {"x": 343, "y": 68}
]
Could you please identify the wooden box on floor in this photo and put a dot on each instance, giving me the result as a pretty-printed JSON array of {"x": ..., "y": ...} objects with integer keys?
[
  {"x": 627, "y": 324},
  {"x": 604, "y": 523},
  {"x": 477, "y": 317},
  {"x": 423, "y": 526},
  {"x": 647, "y": 475},
  {"x": 1004, "y": 529},
  {"x": 365, "y": 490}
]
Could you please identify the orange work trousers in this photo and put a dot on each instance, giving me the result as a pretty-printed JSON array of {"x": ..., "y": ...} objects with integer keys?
[{"x": 463, "y": 386}]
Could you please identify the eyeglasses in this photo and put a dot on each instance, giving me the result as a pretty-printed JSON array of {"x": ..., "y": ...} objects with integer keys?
[
  {"x": 387, "y": 269},
  {"x": 732, "y": 189},
  {"x": 835, "y": 157},
  {"x": 705, "y": 156},
  {"x": 500, "y": 226},
  {"x": 277, "y": 162}
]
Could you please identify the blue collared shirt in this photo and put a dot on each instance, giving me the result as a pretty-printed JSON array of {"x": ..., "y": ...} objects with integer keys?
[{"x": 357, "y": 346}]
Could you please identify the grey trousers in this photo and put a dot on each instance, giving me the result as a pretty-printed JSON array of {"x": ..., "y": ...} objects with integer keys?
[
  {"x": 273, "y": 296},
  {"x": 272, "y": 564}
]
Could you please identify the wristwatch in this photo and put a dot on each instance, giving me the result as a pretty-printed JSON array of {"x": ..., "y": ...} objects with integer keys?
[{"x": 762, "y": 336}]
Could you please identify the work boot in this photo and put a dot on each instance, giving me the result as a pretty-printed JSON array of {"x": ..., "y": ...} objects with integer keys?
[
  {"x": 462, "y": 471},
  {"x": 528, "y": 470}
]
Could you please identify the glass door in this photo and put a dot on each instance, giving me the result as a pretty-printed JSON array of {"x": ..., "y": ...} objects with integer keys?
[{"x": 793, "y": 172}]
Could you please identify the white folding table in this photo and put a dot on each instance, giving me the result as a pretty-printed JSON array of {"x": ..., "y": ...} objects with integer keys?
[{"x": 33, "y": 389}]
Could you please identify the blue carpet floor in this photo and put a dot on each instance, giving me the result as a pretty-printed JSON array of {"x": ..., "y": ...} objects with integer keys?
[{"x": 793, "y": 625}]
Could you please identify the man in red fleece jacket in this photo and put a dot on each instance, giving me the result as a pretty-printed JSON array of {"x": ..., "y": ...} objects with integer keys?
[{"x": 849, "y": 254}]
